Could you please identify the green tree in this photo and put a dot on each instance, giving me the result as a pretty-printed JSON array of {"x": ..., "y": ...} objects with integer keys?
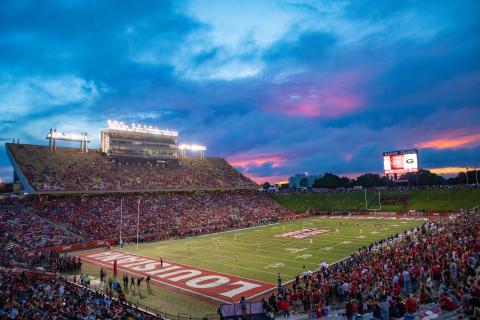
[
  {"x": 461, "y": 178},
  {"x": 423, "y": 178},
  {"x": 331, "y": 181},
  {"x": 369, "y": 180}
]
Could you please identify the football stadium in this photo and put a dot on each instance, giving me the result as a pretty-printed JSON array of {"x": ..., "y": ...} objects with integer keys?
[
  {"x": 239, "y": 160},
  {"x": 161, "y": 230}
]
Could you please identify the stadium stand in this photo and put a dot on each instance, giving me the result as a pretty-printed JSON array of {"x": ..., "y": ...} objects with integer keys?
[
  {"x": 32, "y": 296},
  {"x": 20, "y": 225},
  {"x": 432, "y": 270},
  {"x": 161, "y": 215},
  {"x": 66, "y": 169}
]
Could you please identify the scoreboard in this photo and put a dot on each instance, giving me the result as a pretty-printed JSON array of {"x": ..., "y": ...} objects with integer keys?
[{"x": 400, "y": 162}]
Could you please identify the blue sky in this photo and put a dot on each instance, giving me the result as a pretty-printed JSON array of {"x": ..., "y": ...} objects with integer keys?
[{"x": 276, "y": 87}]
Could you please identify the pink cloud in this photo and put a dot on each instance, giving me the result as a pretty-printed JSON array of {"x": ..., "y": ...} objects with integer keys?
[
  {"x": 348, "y": 156},
  {"x": 328, "y": 107},
  {"x": 330, "y": 97},
  {"x": 272, "y": 179},
  {"x": 448, "y": 171},
  {"x": 451, "y": 142},
  {"x": 246, "y": 161}
]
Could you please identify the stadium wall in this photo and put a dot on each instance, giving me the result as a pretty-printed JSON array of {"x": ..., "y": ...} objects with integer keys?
[
  {"x": 23, "y": 180},
  {"x": 425, "y": 214},
  {"x": 137, "y": 191},
  {"x": 80, "y": 246}
]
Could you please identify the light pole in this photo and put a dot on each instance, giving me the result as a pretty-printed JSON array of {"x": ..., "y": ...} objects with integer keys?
[{"x": 466, "y": 174}]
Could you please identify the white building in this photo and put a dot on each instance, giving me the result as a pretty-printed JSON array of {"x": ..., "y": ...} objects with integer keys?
[{"x": 294, "y": 182}]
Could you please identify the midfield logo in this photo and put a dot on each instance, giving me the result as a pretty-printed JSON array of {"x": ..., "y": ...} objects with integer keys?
[{"x": 302, "y": 234}]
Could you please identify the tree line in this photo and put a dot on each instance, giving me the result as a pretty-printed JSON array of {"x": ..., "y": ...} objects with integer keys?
[{"x": 369, "y": 180}]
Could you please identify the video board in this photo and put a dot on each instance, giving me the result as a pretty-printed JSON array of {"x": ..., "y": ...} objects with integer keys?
[{"x": 400, "y": 162}]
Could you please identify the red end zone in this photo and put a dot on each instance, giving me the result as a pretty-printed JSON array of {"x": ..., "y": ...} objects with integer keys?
[{"x": 218, "y": 286}]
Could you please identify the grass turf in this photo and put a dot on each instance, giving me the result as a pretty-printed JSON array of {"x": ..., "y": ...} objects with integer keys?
[
  {"x": 217, "y": 252},
  {"x": 425, "y": 200}
]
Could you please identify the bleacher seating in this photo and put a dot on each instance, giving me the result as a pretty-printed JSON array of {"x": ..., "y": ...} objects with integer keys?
[
  {"x": 33, "y": 296},
  {"x": 21, "y": 226},
  {"x": 67, "y": 169},
  {"x": 161, "y": 215}
]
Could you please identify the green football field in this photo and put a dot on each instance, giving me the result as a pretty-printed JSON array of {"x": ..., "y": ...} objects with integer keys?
[{"x": 261, "y": 254}]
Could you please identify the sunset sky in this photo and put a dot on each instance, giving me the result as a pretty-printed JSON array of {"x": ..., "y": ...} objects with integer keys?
[{"x": 275, "y": 87}]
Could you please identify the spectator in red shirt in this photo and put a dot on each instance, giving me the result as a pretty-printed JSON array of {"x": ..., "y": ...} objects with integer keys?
[
  {"x": 447, "y": 303},
  {"x": 411, "y": 305}
]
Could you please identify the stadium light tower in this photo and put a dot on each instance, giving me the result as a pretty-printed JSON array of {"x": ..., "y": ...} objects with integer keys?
[
  {"x": 53, "y": 136},
  {"x": 192, "y": 147},
  {"x": 466, "y": 174}
]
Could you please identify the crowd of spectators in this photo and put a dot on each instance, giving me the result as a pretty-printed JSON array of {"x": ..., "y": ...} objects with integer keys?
[
  {"x": 33, "y": 296},
  {"x": 435, "y": 264},
  {"x": 12, "y": 254},
  {"x": 67, "y": 169},
  {"x": 19, "y": 225},
  {"x": 161, "y": 215}
]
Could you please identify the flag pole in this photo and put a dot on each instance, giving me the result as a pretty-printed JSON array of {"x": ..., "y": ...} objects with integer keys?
[
  {"x": 138, "y": 221},
  {"x": 121, "y": 221}
]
